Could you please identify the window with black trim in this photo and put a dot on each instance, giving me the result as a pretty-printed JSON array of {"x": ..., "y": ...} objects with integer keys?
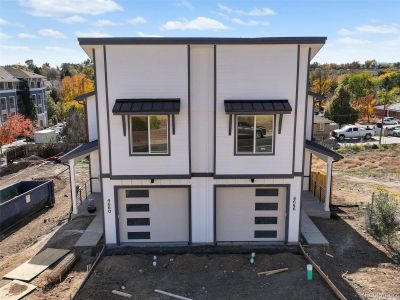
[
  {"x": 149, "y": 135},
  {"x": 254, "y": 134}
]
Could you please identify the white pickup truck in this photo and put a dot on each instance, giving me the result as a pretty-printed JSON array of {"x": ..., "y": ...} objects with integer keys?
[{"x": 352, "y": 132}]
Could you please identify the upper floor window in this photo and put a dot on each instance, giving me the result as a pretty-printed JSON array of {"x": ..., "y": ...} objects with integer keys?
[
  {"x": 11, "y": 100},
  {"x": 254, "y": 134},
  {"x": 149, "y": 135},
  {"x": 3, "y": 103}
]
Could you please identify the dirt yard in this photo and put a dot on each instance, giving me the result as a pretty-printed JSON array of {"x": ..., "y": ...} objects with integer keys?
[
  {"x": 47, "y": 228},
  {"x": 361, "y": 267},
  {"x": 204, "y": 277}
]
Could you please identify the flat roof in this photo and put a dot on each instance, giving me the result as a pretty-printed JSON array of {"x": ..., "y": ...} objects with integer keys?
[{"x": 199, "y": 40}]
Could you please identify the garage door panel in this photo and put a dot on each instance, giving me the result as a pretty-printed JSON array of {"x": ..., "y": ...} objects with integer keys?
[
  {"x": 250, "y": 214},
  {"x": 163, "y": 216}
]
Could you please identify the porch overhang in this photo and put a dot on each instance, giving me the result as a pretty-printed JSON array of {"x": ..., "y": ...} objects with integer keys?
[
  {"x": 322, "y": 152},
  {"x": 80, "y": 151}
]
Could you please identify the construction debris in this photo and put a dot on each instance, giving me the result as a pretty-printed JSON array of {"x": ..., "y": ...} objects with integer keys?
[
  {"x": 57, "y": 274},
  {"x": 123, "y": 294},
  {"x": 172, "y": 295},
  {"x": 271, "y": 272},
  {"x": 328, "y": 254},
  {"x": 323, "y": 275}
]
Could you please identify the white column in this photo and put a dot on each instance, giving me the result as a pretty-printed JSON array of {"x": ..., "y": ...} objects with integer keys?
[
  {"x": 73, "y": 186},
  {"x": 328, "y": 182}
]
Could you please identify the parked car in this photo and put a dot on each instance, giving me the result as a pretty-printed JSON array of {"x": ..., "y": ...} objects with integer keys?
[
  {"x": 390, "y": 121},
  {"x": 353, "y": 131},
  {"x": 246, "y": 130},
  {"x": 394, "y": 131}
]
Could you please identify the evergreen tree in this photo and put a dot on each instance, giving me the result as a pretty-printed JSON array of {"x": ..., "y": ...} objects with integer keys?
[{"x": 339, "y": 108}]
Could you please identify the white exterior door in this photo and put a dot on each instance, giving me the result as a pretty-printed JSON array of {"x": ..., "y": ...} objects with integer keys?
[
  {"x": 153, "y": 215},
  {"x": 250, "y": 214}
]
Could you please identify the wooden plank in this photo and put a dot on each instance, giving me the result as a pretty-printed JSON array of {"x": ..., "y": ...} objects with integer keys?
[
  {"x": 16, "y": 290},
  {"x": 40, "y": 262}
]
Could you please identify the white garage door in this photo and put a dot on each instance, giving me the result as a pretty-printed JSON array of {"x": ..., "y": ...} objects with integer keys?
[
  {"x": 247, "y": 214},
  {"x": 153, "y": 215}
]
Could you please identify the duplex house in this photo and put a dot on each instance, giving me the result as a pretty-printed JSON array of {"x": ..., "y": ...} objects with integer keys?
[
  {"x": 200, "y": 140},
  {"x": 15, "y": 83}
]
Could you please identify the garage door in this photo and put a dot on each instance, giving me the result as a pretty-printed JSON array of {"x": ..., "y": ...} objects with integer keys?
[
  {"x": 250, "y": 214},
  {"x": 153, "y": 215}
]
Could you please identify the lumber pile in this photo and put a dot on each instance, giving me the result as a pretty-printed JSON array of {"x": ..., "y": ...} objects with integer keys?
[{"x": 57, "y": 274}]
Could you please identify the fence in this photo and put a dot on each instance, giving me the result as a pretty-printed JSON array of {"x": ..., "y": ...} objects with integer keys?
[
  {"x": 318, "y": 185},
  {"x": 83, "y": 189},
  {"x": 44, "y": 150}
]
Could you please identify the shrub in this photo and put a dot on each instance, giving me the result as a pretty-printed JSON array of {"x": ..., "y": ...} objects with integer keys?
[
  {"x": 383, "y": 218},
  {"x": 375, "y": 146}
]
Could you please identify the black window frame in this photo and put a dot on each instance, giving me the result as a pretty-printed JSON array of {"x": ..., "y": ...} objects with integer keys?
[
  {"x": 13, "y": 102},
  {"x": 236, "y": 120},
  {"x": 168, "y": 153},
  {"x": 3, "y": 100}
]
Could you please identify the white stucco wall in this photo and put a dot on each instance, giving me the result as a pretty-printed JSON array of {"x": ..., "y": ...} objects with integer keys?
[
  {"x": 91, "y": 118},
  {"x": 202, "y": 108},
  {"x": 148, "y": 72},
  {"x": 255, "y": 72}
]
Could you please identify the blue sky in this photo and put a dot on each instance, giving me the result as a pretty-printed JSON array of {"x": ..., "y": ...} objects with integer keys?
[{"x": 47, "y": 30}]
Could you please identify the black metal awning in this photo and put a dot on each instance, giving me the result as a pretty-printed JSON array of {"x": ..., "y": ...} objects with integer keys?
[
  {"x": 147, "y": 106},
  {"x": 257, "y": 107}
]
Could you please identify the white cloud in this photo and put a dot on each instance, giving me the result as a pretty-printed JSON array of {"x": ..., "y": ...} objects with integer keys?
[
  {"x": 352, "y": 41},
  {"x": 73, "y": 19},
  {"x": 250, "y": 22},
  {"x": 137, "y": 20},
  {"x": 51, "y": 8},
  {"x": 15, "y": 48},
  {"x": 375, "y": 29},
  {"x": 394, "y": 42},
  {"x": 105, "y": 22},
  {"x": 200, "y": 23},
  {"x": 4, "y": 36},
  {"x": 47, "y": 32},
  {"x": 91, "y": 34},
  {"x": 3, "y": 22},
  {"x": 185, "y": 3},
  {"x": 230, "y": 10},
  {"x": 256, "y": 12},
  {"x": 265, "y": 11},
  {"x": 141, "y": 34},
  {"x": 24, "y": 35},
  {"x": 56, "y": 48}
]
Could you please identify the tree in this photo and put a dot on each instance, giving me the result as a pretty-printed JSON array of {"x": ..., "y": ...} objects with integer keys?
[
  {"x": 370, "y": 64},
  {"x": 74, "y": 130},
  {"x": 365, "y": 106},
  {"x": 54, "y": 112},
  {"x": 26, "y": 105},
  {"x": 15, "y": 126},
  {"x": 339, "y": 108},
  {"x": 71, "y": 87},
  {"x": 385, "y": 98},
  {"x": 359, "y": 84}
]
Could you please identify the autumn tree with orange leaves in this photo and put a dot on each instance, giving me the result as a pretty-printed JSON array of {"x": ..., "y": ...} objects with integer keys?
[
  {"x": 15, "y": 126},
  {"x": 73, "y": 86}
]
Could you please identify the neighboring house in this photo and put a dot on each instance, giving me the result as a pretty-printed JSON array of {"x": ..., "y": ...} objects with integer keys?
[
  {"x": 200, "y": 140},
  {"x": 392, "y": 110},
  {"x": 322, "y": 128},
  {"x": 8, "y": 94},
  {"x": 35, "y": 84}
]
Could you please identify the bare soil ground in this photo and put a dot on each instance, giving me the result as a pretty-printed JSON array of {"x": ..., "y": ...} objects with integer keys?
[
  {"x": 204, "y": 277},
  {"x": 47, "y": 228},
  {"x": 362, "y": 267}
]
